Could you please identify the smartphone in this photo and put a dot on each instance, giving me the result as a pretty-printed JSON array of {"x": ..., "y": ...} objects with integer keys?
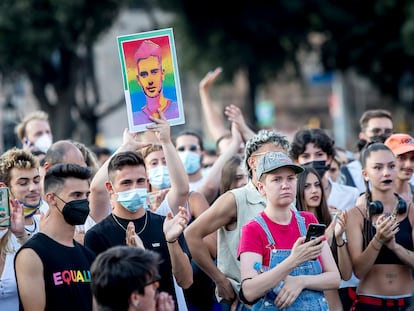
[
  {"x": 314, "y": 231},
  {"x": 4, "y": 207}
]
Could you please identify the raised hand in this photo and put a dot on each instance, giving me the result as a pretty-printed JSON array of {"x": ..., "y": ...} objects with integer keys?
[
  {"x": 132, "y": 239},
  {"x": 174, "y": 226}
]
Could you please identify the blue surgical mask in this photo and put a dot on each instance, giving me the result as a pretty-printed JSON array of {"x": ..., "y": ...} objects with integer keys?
[
  {"x": 191, "y": 161},
  {"x": 134, "y": 199},
  {"x": 159, "y": 177}
]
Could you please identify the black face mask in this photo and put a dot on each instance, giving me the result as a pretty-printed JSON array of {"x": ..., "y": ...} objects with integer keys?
[
  {"x": 379, "y": 138},
  {"x": 319, "y": 166},
  {"x": 75, "y": 212}
]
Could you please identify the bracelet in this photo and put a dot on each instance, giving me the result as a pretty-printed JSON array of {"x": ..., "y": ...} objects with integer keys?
[
  {"x": 378, "y": 240},
  {"x": 173, "y": 241},
  {"x": 340, "y": 245}
]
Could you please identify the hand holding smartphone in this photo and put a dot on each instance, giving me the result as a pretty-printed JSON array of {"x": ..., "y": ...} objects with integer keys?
[
  {"x": 4, "y": 207},
  {"x": 314, "y": 231}
]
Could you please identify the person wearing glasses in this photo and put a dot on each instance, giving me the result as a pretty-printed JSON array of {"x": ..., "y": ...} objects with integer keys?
[
  {"x": 126, "y": 278},
  {"x": 376, "y": 126}
]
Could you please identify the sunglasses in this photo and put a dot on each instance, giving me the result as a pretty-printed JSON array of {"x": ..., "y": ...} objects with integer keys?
[
  {"x": 155, "y": 282},
  {"x": 191, "y": 148}
]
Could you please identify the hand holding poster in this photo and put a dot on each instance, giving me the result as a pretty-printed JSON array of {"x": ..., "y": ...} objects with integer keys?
[{"x": 151, "y": 79}]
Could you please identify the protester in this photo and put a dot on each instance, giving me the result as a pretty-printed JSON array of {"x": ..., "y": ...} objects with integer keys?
[
  {"x": 275, "y": 239},
  {"x": 314, "y": 148},
  {"x": 402, "y": 145},
  {"x": 380, "y": 236},
  {"x": 19, "y": 171},
  {"x": 9, "y": 244},
  {"x": 52, "y": 269},
  {"x": 35, "y": 134},
  {"x": 311, "y": 197},
  {"x": 127, "y": 186},
  {"x": 226, "y": 216},
  {"x": 376, "y": 126},
  {"x": 126, "y": 278}
]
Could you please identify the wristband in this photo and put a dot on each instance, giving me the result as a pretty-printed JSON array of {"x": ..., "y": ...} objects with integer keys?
[
  {"x": 173, "y": 241},
  {"x": 343, "y": 243}
]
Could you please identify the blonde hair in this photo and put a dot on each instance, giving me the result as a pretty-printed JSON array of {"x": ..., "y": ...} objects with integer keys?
[
  {"x": 20, "y": 128},
  {"x": 16, "y": 158}
]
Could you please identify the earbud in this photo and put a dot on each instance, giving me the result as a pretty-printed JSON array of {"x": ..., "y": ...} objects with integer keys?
[{"x": 376, "y": 207}]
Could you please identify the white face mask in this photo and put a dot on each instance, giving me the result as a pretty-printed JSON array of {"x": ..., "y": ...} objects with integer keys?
[
  {"x": 3, "y": 232},
  {"x": 134, "y": 199},
  {"x": 43, "y": 143}
]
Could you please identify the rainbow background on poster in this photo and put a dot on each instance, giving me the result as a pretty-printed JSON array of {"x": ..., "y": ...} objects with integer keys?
[{"x": 135, "y": 90}]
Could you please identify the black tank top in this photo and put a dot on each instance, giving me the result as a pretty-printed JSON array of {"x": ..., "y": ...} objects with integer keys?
[
  {"x": 403, "y": 237},
  {"x": 66, "y": 271}
]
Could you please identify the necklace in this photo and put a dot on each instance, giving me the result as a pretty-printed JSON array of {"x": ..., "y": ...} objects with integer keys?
[
  {"x": 30, "y": 232},
  {"x": 140, "y": 231}
]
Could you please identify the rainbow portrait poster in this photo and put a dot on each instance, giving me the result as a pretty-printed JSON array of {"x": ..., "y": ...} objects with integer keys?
[{"x": 150, "y": 77}]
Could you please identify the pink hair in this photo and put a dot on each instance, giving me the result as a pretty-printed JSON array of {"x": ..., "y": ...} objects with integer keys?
[{"x": 147, "y": 49}]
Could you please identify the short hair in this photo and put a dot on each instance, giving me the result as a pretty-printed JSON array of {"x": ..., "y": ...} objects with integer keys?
[
  {"x": 191, "y": 133},
  {"x": 316, "y": 136},
  {"x": 16, "y": 158},
  {"x": 58, "y": 150},
  {"x": 119, "y": 271},
  {"x": 371, "y": 114},
  {"x": 56, "y": 175},
  {"x": 147, "y": 49},
  {"x": 150, "y": 149},
  {"x": 261, "y": 138},
  {"x": 98, "y": 150},
  {"x": 122, "y": 159},
  {"x": 89, "y": 156},
  {"x": 20, "y": 128}
]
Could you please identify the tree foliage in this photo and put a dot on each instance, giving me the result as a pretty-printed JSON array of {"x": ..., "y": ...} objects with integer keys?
[
  {"x": 373, "y": 37},
  {"x": 51, "y": 42}
]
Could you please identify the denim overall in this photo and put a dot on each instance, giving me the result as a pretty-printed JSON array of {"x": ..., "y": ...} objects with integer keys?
[{"x": 308, "y": 299}]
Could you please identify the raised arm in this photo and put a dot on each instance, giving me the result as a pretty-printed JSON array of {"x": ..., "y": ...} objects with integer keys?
[
  {"x": 178, "y": 193},
  {"x": 181, "y": 266},
  {"x": 215, "y": 123},
  {"x": 235, "y": 115},
  {"x": 211, "y": 185}
]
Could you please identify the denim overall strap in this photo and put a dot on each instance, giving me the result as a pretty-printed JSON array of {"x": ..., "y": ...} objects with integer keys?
[
  {"x": 260, "y": 220},
  {"x": 308, "y": 299},
  {"x": 300, "y": 220},
  {"x": 301, "y": 223}
]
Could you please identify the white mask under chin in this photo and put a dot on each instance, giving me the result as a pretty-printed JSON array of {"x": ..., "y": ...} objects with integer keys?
[{"x": 43, "y": 143}]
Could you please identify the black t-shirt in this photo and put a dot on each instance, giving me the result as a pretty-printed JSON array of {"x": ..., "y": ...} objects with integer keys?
[{"x": 109, "y": 233}]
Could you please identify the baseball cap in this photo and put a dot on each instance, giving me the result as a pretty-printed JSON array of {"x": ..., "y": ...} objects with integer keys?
[
  {"x": 400, "y": 143},
  {"x": 274, "y": 160}
]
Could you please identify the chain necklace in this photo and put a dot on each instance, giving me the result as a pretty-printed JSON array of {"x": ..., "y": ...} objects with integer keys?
[
  {"x": 125, "y": 229},
  {"x": 30, "y": 232}
]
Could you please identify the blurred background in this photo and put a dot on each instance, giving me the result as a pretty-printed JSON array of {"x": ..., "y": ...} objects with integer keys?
[{"x": 287, "y": 64}]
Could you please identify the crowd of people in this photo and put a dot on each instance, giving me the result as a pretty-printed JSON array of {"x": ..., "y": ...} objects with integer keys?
[{"x": 155, "y": 226}]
